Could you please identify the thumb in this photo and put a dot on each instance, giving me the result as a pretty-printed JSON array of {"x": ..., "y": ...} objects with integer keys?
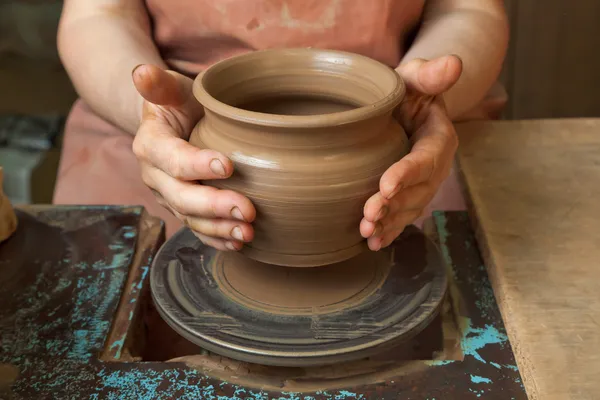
[
  {"x": 433, "y": 77},
  {"x": 160, "y": 87}
]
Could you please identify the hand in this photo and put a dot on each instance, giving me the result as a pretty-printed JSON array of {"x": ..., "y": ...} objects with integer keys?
[
  {"x": 408, "y": 186},
  {"x": 171, "y": 166}
]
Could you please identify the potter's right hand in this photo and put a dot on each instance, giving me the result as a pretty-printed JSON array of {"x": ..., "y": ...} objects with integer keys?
[{"x": 171, "y": 166}]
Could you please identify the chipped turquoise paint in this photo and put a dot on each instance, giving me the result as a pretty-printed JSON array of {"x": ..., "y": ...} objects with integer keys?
[
  {"x": 443, "y": 235},
  {"x": 126, "y": 381},
  {"x": 513, "y": 367},
  {"x": 135, "y": 288},
  {"x": 475, "y": 339},
  {"x": 92, "y": 327},
  {"x": 118, "y": 344},
  {"x": 344, "y": 394},
  {"x": 119, "y": 259},
  {"x": 480, "y": 379},
  {"x": 478, "y": 392},
  {"x": 341, "y": 395},
  {"x": 144, "y": 385},
  {"x": 145, "y": 270},
  {"x": 129, "y": 233},
  {"x": 438, "y": 362},
  {"x": 62, "y": 285},
  {"x": 486, "y": 301}
]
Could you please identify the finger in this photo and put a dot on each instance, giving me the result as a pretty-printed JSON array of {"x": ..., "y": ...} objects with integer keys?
[
  {"x": 374, "y": 243},
  {"x": 161, "y": 87},
  {"x": 161, "y": 200},
  {"x": 177, "y": 157},
  {"x": 432, "y": 153},
  {"x": 198, "y": 200},
  {"x": 369, "y": 229},
  {"x": 168, "y": 89},
  {"x": 414, "y": 168},
  {"x": 412, "y": 198},
  {"x": 221, "y": 228},
  {"x": 219, "y": 244},
  {"x": 393, "y": 229},
  {"x": 431, "y": 77},
  {"x": 376, "y": 207}
]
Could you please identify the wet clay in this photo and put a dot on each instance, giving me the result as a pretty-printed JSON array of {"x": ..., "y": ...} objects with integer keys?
[
  {"x": 8, "y": 218},
  {"x": 300, "y": 291},
  {"x": 298, "y": 105},
  {"x": 310, "y": 132}
]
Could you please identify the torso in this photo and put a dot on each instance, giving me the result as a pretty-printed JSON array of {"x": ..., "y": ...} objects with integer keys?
[{"x": 193, "y": 34}]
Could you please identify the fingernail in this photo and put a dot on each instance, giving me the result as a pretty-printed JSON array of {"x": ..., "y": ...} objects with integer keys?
[
  {"x": 377, "y": 230},
  {"x": 382, "y": 213},
  {"x": 236, "y": 233},
  {"x": 378, "y": 247},
  {"x": 395, "y": 191},
  {"x": 135, "y": 68},
  {"x": 237, "y": 214},
  {"x": 459, "y": 58},
  {"x": 217, "y": 167},
  {"x": 230, "y": 246}
]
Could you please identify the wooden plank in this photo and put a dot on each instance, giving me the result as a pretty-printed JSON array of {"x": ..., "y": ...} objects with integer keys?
[
  {"x": 553, "y": 59},
  {"x": 534, "y": 188}
]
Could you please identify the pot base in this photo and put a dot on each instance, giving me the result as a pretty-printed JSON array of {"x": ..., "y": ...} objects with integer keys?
[
  {"x": 303, "y": 261},
  {"x": 299, "y": 291},
  {"x": 281, "y": 316}
]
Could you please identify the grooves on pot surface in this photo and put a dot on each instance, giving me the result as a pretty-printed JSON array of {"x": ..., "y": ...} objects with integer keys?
[{"x": 310, "y": 132}]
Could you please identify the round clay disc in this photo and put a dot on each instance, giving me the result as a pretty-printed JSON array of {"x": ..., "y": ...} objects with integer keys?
[{"x": 285, "y": 316}]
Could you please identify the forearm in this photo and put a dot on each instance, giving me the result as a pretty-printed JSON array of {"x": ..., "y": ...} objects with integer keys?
[
  {"x": 474, "y": 30},
  {"x": 100, "y": 43}
]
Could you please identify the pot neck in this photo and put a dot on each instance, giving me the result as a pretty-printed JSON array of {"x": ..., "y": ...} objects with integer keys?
[
  {"x": 311, "y": 137},
  {"x": 373, "y": 89}
]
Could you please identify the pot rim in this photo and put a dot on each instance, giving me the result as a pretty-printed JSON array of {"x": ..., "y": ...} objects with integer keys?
[{"x": 386, "y": 104}]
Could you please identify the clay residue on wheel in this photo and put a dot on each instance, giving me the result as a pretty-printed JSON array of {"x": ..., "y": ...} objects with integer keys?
[
  {"x": 300, "y": 291},
  {"x": 439, "y": 341}
]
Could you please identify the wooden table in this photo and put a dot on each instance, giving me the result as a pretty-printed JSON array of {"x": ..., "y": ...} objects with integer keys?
[{"x": 534, "y": 189}]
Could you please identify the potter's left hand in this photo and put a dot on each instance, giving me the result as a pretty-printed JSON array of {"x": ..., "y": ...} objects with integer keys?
[{"x": 408, "y": 186}]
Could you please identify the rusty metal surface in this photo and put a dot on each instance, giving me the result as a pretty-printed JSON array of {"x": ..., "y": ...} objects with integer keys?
[
  {"x": 126, "y": 338},
  {"x": 56, "y": 356},
  {"x": 61, "y": 276}
]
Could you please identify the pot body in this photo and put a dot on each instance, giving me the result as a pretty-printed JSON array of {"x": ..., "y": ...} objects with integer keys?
[{"x": 310, "y": 132}]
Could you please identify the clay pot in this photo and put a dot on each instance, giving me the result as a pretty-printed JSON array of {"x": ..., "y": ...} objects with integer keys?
[{"x": 310, "y": 132}]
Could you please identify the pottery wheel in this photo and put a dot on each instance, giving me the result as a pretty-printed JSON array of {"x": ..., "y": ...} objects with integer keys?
[{"x": 267, "y": 314}]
